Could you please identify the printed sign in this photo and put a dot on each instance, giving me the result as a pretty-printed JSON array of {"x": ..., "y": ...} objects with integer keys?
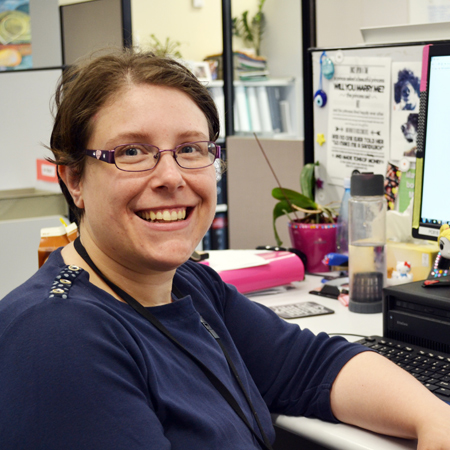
[
  {"x": 46, "y": 171},
  {"x": 358, "y": 123}
]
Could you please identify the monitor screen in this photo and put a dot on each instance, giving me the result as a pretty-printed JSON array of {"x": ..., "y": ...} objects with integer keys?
[{"x": 431, "y": 202}]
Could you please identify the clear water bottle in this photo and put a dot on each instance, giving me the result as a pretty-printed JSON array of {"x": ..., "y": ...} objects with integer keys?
[
  {"x": 367, "y": 239},
  {"x": 342, "y": 222}
]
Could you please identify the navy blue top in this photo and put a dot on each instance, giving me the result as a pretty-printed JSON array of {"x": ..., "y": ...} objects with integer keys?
[{"x": 81, "y": 370}]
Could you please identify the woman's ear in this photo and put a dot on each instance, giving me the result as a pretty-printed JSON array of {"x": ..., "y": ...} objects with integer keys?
[{"x": 72, "y": 180}]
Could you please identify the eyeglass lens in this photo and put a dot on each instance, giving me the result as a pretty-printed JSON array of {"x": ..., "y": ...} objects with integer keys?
[{"x": 140, "y": 157}]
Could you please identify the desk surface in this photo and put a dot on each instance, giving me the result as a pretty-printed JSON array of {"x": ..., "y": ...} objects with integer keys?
[{"x": 334, "y": 436}]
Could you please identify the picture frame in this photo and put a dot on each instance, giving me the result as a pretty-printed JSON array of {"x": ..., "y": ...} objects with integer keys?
[{"x": 201, "y": 70}]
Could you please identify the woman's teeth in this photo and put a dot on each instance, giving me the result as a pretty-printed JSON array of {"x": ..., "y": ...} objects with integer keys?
[{"x": 163, "y": 216}]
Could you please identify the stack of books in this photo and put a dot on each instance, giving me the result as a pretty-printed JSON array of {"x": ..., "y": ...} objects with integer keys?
[{"x": 249, "y": 67}]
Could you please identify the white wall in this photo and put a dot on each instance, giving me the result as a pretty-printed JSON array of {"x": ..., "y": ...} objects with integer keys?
[
  {"x": 199, "y": 30},
  {"x": 339, "y": 22}
]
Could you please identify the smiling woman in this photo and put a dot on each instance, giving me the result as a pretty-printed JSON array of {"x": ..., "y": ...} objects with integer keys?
[{"x": 119, "y": 341}]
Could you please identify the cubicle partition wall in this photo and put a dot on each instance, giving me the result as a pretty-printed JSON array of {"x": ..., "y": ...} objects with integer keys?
[
  {"x": 250, "y": 183},
  {"x": 90, "y": 26},
  {"x": 26, "y": 119}
]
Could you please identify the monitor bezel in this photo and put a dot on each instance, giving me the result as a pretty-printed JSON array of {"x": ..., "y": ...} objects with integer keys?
[{"x": 420, "y": 230}]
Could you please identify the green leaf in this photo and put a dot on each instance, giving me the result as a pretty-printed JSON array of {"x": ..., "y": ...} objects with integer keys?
[
  {"x": 307, "y": 180},
  {"x": 279, "y": 210},
  {"x": 294, "y": 197}
]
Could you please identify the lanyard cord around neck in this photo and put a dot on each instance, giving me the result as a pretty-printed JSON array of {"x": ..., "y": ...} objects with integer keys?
[{"x": 223, "y": 390}]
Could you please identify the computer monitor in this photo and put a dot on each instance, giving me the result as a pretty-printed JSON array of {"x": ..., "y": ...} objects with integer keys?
[{"x": 431, "y": 198}]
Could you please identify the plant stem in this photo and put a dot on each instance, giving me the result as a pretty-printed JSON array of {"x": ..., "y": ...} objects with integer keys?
[{"x": 276, "y": 178}]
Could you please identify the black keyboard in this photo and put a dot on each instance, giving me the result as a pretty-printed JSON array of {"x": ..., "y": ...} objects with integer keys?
[{"x": 431, "y": 368}]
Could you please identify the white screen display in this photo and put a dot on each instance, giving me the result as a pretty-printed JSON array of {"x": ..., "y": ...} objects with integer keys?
[{"x": 435, "y": 201}]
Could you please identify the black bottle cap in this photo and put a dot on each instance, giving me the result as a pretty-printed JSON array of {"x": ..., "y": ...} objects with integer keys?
[{"x": 366, "y": 184}]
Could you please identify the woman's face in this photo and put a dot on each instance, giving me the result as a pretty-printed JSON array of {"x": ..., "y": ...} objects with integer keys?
[{"x": 118, "y": 204}]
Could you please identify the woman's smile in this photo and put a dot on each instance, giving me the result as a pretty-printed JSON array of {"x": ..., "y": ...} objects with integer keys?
[{"x": 163, "y": 215}]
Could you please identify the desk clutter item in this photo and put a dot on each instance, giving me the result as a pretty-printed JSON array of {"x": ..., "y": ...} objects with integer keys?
[
  {"x": 255, "y": 270},
  {"x": 327, "y": 70},
  {"x": 55, "y": 237},
  {"x": 431, "y": 368},
  {"x": 440, "y": 273},
  {"x": 303, "y": 309},
  {"x": 420, "y": 256},
  {"x": 367, "y": 239}
]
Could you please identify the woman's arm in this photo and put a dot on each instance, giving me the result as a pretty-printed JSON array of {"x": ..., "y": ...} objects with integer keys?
[{"x": 373, "y": 393}]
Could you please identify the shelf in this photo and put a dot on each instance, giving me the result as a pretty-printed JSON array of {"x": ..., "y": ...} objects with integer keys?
[{"x": 30, "y": 203}]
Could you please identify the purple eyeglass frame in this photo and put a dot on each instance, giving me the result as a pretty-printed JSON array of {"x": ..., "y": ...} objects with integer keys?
[{"x": 108, "y": 155}]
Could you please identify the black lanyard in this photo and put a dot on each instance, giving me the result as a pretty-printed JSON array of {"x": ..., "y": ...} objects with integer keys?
[{"x": 223, "y": 390}]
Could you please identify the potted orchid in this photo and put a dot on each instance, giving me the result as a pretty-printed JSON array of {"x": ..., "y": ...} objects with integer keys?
[{"x": 314, "y": 233}]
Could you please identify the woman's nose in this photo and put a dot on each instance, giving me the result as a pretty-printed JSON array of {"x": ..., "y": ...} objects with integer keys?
[{"x": 167, "y": 173}]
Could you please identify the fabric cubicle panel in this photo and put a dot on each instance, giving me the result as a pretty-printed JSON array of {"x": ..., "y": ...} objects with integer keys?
[{"x": 250, "y": 183}]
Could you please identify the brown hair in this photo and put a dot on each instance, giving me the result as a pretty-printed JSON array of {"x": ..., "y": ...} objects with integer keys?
[{"x": 85, "y": 88}]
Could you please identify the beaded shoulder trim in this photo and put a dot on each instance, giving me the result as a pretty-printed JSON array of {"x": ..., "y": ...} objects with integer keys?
[{"x": 64, "y": 281}]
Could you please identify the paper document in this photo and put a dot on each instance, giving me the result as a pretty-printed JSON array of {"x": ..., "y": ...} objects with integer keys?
[
  {"x": 235, "y": 259},
  {"x": 358, "y": 124}
]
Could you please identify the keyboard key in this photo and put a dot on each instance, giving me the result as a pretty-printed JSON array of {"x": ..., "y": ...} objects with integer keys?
[
  {"x": 443, "y": 391},
  {"x": 438, "y": 363},
  {"x": 431, "y": 387}
]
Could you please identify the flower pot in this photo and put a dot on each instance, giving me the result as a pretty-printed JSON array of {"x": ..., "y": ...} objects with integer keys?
[{"x": 315, "y": 241}]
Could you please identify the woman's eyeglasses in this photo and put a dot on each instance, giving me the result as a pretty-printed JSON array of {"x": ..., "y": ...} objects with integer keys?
[{"x": 142, "y": 157}]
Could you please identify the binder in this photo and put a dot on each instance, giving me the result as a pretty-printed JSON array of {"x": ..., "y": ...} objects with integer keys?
[
  {"x": 278, "y": 268},
  {"x": 275, "y": 114},
  {"x": 242, "y": 106},
  {"x": 254, "y": 109},
  {"x": 264, "y": 108},
  {"x": 219, "y": 232},
  {"x": 286, "y": 122}
]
